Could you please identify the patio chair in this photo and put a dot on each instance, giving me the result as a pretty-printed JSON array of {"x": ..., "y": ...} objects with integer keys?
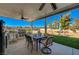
[
  {"x": 26, "y": 37},
  {"x": 29, "y": 42},
  {"x": 46, "y": 49}
]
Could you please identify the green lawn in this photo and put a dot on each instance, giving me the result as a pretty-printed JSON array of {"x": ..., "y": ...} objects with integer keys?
[{"x": 68, "y": 41}]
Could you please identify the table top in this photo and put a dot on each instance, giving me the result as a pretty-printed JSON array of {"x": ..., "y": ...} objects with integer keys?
[{"x": 37, "y": 37}]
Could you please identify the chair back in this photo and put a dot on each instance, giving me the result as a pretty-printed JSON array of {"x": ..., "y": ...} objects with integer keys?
[
  {"x": 29, "y": 38},
  {"x": 49, "y": 41},
  {"x": 26, "y": 35}
]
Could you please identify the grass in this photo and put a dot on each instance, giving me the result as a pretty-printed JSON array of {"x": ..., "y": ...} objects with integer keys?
[{"x": 68, "y": 41}]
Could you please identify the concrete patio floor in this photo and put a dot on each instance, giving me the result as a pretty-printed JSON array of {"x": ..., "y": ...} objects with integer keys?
[{"x": 19, "y": 48}]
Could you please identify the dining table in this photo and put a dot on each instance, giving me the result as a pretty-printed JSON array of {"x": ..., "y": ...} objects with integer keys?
[{"x": 37, "y": 39}]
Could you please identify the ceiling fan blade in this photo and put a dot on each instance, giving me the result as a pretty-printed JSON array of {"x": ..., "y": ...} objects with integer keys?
[
  {"x": 42, "y": 6},
  {"x": 53, "y": 5}
]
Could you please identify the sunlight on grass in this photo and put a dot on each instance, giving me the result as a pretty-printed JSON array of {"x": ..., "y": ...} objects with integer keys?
[{"x": 69, "y": 41}]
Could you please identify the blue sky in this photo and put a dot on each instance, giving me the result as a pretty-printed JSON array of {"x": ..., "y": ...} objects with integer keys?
[
  {"x": 13, "y": 22},
  {"x": 40, "y": 23}
]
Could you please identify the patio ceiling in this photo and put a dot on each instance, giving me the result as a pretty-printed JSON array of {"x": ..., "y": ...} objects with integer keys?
[{"x": 30, "y": 11}]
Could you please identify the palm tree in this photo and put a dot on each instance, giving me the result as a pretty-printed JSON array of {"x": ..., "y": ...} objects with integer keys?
[
  {"x": 65, "y": 22},
  {"x": 50, "y": 25},
  {"x": 56, "y": 24},
  {"x": 76, "y": 24}
]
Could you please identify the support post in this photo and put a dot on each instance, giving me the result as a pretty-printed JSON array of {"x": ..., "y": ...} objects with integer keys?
[
  {"x": 1, "y": 38},
  {"x": 32, "y": 27},
  {"x": 45, "y": 26}
]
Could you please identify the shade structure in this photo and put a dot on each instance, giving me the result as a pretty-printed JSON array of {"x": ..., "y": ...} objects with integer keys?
[{"x": 30, "y": 10}]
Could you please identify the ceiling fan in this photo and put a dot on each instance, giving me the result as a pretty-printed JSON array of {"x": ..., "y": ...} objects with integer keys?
[
  {"x": 53, "y": 5},
  {"x": 22, "y": 15}
]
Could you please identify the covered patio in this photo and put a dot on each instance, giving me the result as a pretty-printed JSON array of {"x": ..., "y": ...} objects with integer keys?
[
  {"x": 19, "y": 48},
  {"x": 33, "y": 13}
]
